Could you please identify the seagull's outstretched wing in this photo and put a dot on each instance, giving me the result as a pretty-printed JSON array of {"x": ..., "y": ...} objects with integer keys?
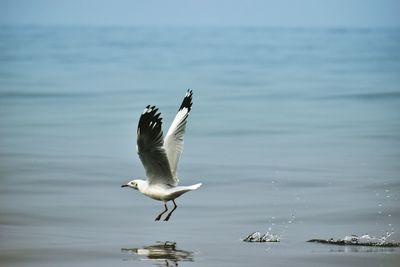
[
  {"x": 150, "y": 147},
  {"x": 173, "y": 142}
]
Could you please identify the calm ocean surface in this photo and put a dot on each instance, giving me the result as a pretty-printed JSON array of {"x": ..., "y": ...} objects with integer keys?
[{"x": 292, "y": 131}]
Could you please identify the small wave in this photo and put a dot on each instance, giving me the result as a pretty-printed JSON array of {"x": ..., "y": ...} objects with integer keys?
[
  {"x": 258, "y": 237},
  {"x": 39, "y": 95},
  {"x": 373, "y": 96},
  {"x": 364, "y": 240}
]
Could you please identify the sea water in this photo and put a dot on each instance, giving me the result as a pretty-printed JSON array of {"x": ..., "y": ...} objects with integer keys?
[{"x": 295, "y": 132}]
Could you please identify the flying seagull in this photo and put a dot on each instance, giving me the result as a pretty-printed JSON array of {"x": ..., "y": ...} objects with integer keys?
[{"x": 160, "y": 156}]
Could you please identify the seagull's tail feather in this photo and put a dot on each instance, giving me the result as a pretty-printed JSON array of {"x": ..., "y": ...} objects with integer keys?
[
  {"x": 180, "y": 190},
  {"x": 195, "y": 186}
]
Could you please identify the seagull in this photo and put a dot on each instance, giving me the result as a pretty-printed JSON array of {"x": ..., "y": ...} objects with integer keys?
[{"x": 160, "y": 156}]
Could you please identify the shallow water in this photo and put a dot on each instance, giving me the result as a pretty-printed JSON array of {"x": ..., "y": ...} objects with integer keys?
[{"x": 293, "y": 131}]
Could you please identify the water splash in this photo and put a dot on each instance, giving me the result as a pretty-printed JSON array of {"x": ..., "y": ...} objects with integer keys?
[
  {"x": 385, "y": 201},
  {"x": 364, "y": 240},
  {"x": 258, "y": 237},
  {"x": 286, "y": 225},
  {"x": 269, "y": 236}
]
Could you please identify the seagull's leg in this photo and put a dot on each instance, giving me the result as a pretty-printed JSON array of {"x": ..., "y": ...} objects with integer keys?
[
  {"x": 159, "y": 215},
  {"x": 169, "y": 214}
]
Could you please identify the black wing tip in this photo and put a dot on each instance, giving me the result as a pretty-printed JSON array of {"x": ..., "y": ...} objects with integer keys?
[
  {"x": 187, "y": 101},
  {"x": 150, "y": 119},
  {"x": 152, "y": 110}
]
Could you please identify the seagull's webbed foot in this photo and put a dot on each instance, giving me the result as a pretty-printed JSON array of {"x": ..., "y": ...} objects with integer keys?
[
  {"x": 159, "y": 215},
  {"x": 169, "y": 214}
]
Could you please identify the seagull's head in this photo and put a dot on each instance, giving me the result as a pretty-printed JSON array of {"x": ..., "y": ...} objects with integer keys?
[{"x": 132, "y": 184}]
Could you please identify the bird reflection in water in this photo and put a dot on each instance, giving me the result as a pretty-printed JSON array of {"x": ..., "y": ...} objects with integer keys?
[{"x": 162, "y": 253}]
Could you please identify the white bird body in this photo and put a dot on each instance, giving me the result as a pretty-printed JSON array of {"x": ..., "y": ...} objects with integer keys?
[
  {"x": 163, "y": 192},
  {"x": 160, "y": 157}
]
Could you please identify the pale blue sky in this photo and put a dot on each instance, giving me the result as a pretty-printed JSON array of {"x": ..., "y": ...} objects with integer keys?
[{"x": 291, "y": 13}]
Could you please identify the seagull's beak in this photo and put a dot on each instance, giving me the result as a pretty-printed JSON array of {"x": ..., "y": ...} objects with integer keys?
[{"x": 124, "y": 185}]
